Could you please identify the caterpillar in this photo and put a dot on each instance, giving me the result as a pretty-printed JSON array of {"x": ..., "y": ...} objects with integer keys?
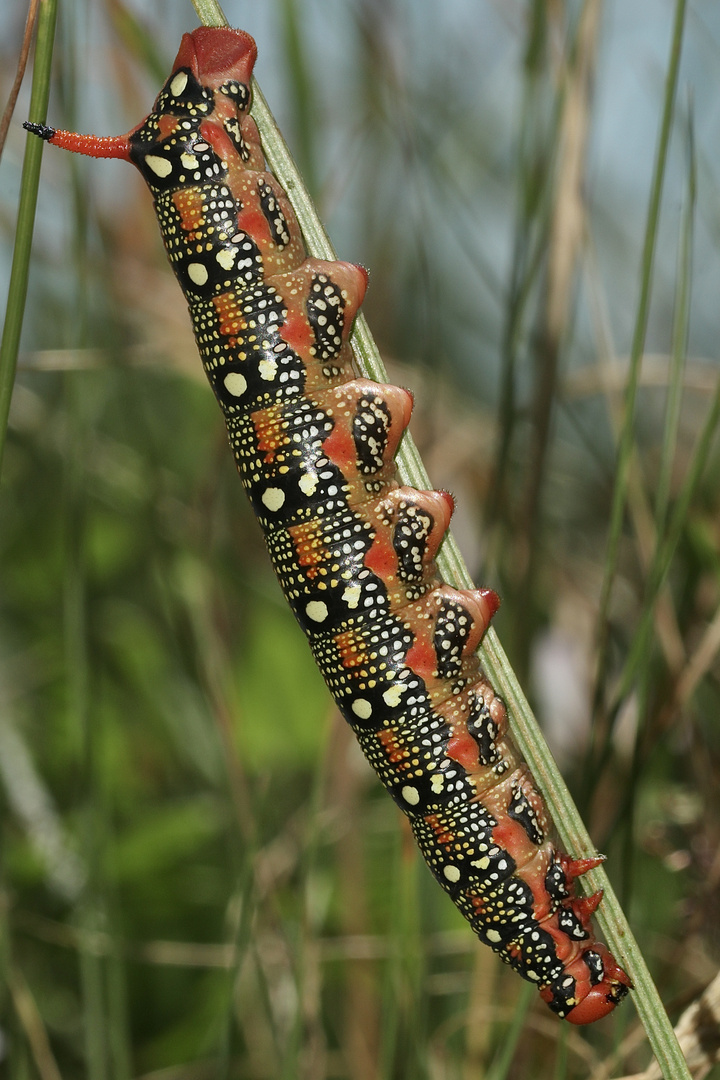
[{"x": 354, "y": 551}]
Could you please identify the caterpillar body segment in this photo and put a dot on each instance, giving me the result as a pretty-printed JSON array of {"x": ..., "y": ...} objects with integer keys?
[{"x": 355, "y": 551}]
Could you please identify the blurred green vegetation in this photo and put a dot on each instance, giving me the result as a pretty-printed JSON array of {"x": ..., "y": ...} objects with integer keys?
[{"x": 199, "y": 876}]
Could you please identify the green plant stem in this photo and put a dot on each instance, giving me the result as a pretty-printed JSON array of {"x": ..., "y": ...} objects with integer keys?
[
  {"x": 17, "y": 290},
  {"x": 525, "y": 730},
  {"x": 210, "y": 13},
  {"x": 681, "y": 322},
  {"x": 666, "y": 549},
  {"x": 625, "y": 447},
  {"x": 504, "y": 1059}
]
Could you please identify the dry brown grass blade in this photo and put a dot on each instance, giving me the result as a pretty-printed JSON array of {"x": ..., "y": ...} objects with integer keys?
[{"x": 32, "y": 1024}]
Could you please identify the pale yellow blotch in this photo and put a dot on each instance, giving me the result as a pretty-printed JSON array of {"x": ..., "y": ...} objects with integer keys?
[
  {"x": 307, "y": 483},
  {"x": 351, "y": 596},
  {"x": 362, "y": 708},
  {"x": 392, "y": 696},
  {"x": 226, "y": 258},
  {"x": 481, "y": 864},
  {"x": 159, "y": 165},
  {"x": 189, "y": 161},
  {"x": 267, "y": 369},
  {"x": 317, "y": 611},
  {"x": 494, "y": 936},
  {"x": 411, "y": 795},
  {"x": 197, "y": 273},
  {"x": 451, "y": 873},
  {"x": 273, "y": 498},
  {"x": 179, "y": 83},
  {"x": 235, "y": 383},
  {"x": 437, "y": 783}
]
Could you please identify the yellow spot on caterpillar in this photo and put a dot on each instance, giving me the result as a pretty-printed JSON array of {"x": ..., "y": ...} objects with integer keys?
[
  {"x": 451, "y": 873},
  {"x": 317, "y": 611},
  {"x": 411, "y": 795},
  {"x": 179, "y": 83},
  {"x": 267, "y": 370},
  {"x": 189, "y": 161},
  {"x": 197, "y": 273},
  {"x": 307, "y": 483},
  {"x": 362, "y": 708},
  {"x": 273, "y": 498},
  {"x": 351, "y": 596},
  {"x": 235, "y": 383},
  {"x": 392, "y": 696},
  {"x": 226, "y": 258},
  {"x": 494, "y": 936},
  {"x": 159, "y": 165}
]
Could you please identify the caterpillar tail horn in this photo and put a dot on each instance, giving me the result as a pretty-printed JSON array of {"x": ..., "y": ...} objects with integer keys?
[{"x": 96, "y": 146}]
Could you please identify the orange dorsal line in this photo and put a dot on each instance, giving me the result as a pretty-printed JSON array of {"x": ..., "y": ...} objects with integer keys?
[{"x": 96, "y": 146}]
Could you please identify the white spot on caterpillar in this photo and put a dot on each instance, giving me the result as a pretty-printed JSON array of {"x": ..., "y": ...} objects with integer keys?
[
  {"x": 226, "y": 258},
  {"x": 351, "y": 596},
  {"x": 189, "y": 161},
  {"x": 197, "y": 273},
  {"x": 267, "y": 369},
  {"x": 392, "y": 696},
  {"x": 307, "y": 483},
  {"x": 179, "y": 83},
  {"x": 273, "y": 498},
  {"x": 159, "y": 165},
  {"x": 362, "y": 708},
  {"x": 494, "y": 936},
  {"x": 451, "y": 873},
  {"x": 235, "y": 383},
  {"x": 317, "y": 611},
  {"x": 411, "y": 795}
]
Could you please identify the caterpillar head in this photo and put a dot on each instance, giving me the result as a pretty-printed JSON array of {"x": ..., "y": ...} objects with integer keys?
[{"x": 215, "y": 55}]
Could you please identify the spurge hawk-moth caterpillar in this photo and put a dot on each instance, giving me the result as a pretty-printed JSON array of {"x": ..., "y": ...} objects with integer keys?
[{"x": 354, "y": 551}]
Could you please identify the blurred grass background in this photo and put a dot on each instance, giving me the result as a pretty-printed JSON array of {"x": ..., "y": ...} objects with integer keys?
[{"x": 199, "y": 875}]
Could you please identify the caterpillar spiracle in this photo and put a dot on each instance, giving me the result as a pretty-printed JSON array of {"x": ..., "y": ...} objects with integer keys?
[{"x": 354, "y": 551}]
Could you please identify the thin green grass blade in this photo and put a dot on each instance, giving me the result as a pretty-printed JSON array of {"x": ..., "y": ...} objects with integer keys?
[
  {"x": 625, "y": 446},
  {"x": 138, "y": 40},
  {"x": 17, "y": 290},
  {"x": 532, "y": 219},
  {"x": 500, "y": 1068},
  {"x": 681, "y": 322},
  {"x": 667, "y": 548},
  {"x": 302, "y": 96},
  {"x": 668, "y": 533}
]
